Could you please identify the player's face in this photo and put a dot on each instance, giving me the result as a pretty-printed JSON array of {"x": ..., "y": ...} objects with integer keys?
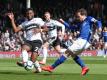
[
  {"x": 79, "y": 17},
  {"x": 105, "y": 28},
  {"x": 30, "y": 14},
  {"x": 47, "y": 16}
]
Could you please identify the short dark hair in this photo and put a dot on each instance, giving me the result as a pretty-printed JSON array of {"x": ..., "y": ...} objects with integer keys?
[
  {"x": 28, "y": 9},
  {"x": 82, "y": 11},
  {"x": 48, "y": 12}
]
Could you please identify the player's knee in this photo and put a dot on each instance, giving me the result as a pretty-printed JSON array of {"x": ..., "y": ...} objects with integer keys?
[
  {"x": 45, "y": 46},
  {"x": 69, "y": 53},
  {"x": 25, "y": 47}
]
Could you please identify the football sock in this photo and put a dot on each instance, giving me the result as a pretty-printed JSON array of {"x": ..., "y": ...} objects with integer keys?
[
  {"x": 62, "y": 51},
  {"x": 105, "y": 51},
  {"x": 79, "y": 61},
  {"x": 45, "y": 52},
  {"x": 24, "y": 56},
  {"x": 37, "y": 66},
  {"x": 59, "y": 61}
]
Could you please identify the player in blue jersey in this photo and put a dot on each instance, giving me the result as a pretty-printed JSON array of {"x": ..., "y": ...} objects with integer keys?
[
  {"x": 82, "y": 42},
  {"x": 105, "y": 41}
]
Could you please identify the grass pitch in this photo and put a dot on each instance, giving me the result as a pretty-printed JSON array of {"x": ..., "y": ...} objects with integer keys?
[{"x": 67, "y": 71}]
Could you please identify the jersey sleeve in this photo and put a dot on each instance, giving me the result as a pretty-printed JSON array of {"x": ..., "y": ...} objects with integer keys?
[
  {"x": 22, "y": 25},
  {"x": 60, "y": 25},
  {"x": 97, "y": 22},
  {"x": 66, "y": 24},
  {"x": 40, "y": 22},
  {"x": 71, "y": 27}
]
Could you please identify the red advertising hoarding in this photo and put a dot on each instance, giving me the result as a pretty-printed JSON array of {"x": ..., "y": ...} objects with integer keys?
[{"x": 53, "y": 53}]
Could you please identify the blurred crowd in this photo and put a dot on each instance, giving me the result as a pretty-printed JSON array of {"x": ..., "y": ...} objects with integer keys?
[{"x": 10, "y": 41}]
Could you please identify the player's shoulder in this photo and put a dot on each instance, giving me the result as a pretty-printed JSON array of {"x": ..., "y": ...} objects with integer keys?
[
  {"x": 90, "y": 18},
  {"x": 37, "y": 18},
  {"x": 24, "y": 23},
  {"x": 54, "y": 21}
]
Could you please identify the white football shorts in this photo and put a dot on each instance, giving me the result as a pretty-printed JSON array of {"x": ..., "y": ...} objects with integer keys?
[{"x": 79, "y": 45}]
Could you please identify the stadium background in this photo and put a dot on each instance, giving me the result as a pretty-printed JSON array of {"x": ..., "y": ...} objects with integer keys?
[{"x": 10, "y": 41}]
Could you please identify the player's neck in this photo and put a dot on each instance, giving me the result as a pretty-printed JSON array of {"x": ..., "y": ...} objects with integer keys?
[
  {"x": 48, "y": 20},
  {"x": 29, "y": 19},
  {"x": 84, "y": 18}
]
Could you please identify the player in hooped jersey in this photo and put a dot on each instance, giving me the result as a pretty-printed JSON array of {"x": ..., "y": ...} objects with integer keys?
[
  {"x": 82, "y": 42},
  {"x": 52, "y": 39},
  {"x": 33, "y": 36}
]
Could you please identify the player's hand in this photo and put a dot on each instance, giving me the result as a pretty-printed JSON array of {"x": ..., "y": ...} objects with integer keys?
[
  {"x": 45, "y": 29},
  {"x": 61, "y": 20},
  {"x": 11, "y": 16}
]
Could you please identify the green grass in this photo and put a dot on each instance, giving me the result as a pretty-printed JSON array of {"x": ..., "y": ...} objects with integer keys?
[{"x": 67, "y": 71}]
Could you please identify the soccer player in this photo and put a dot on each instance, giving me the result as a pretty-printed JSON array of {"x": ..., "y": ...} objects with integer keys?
[
  {"x": 105, "y": 41},
  {"x": 81, "y": 43},
  {"x": 53, "y": 27},
  {"x": 33, "y": 36}
]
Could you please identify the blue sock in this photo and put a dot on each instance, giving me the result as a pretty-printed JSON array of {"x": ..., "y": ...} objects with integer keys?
[
  {"x": 79, "y": 61},
  {"x": 59, "y": 61},
  {"x": 105, "y": 51}
]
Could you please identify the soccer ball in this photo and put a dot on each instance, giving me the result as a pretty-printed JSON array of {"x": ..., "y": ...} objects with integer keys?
[{"x": 29, "y": 65}]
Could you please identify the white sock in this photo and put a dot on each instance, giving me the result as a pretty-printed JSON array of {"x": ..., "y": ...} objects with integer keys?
[
  {"x": 62, "y": 51},
  {"x": 37, "y": 66},
  {"x": 25, "y": 56},
  {"x": 45, "y": 53}
]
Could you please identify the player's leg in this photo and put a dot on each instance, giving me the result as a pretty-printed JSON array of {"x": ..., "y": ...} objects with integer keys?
[
  {"x": 60, "y": 60},
  {"x": 24, "y": 56},
  {"x": 77, "y": 59},
  {"x": 34, "y": 57},
  {"x": 45, "y": 49},
  {"x": 76, "y": 49},
  {"x": 105, "y": 50},
  {"x": 45, "y": 53},
  {"x": 36, "y": 45},
  {"x": 57, "y": 45}
]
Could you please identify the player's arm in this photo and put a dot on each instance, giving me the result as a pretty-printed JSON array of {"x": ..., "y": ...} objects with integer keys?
[
  {"x": 60, "y": 25},
  {"x": 98, "y": 23},
  {"x": 41, "y": 29},
  {"x": 67, "y": 25},
  {"x": 44, "y": 29},
  {"x": 41, "y": 23},
  {"x": 11, "y": 16}
]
